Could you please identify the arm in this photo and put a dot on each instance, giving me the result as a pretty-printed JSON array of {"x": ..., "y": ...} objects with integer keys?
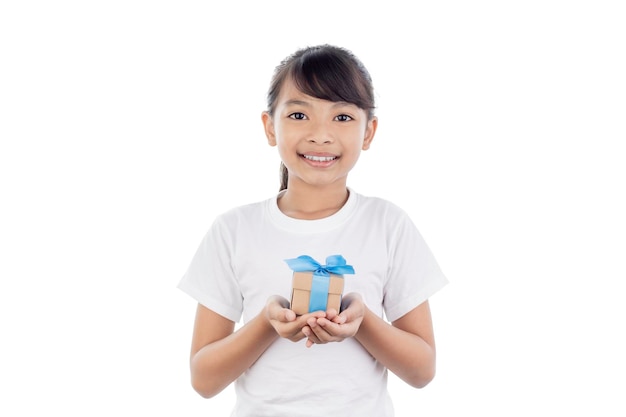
[
  {"x": 406, "y": 347},
  {"x": 219, "y": 355}
]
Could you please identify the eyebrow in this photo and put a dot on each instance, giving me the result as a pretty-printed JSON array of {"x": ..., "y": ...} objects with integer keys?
[{"x": 296, "y": 102}]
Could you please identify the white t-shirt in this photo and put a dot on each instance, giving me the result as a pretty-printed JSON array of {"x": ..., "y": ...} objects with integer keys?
[{"x": 241, "y": 262}]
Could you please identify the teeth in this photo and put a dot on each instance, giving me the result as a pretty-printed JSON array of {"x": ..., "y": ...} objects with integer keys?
[{"x": 320, "y": 158}]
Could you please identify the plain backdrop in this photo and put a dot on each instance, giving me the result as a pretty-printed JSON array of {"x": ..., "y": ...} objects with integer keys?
[{"x": 126, "y": 126}]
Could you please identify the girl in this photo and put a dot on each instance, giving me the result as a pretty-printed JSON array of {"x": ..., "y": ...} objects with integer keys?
[{"x": 320, "y": 116}]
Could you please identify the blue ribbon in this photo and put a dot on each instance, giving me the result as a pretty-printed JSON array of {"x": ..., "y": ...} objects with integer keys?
[{"x": 335, "y": 264}]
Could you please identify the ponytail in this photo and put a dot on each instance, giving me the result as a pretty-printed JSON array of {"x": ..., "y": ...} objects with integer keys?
[{"x": 284, "y": 175}]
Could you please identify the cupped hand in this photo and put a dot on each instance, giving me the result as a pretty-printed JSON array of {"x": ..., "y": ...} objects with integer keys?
[
  {"x": 285, "y": 322},
  {"x": 334, "y": 327}
]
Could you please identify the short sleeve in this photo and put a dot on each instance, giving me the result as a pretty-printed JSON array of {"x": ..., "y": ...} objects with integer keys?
[
  {"x": 414, "y": 274},
  {"x": 210, "y": 278}
]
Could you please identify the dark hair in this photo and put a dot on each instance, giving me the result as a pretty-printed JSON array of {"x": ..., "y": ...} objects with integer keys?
[{"x": 326, "y": 72}]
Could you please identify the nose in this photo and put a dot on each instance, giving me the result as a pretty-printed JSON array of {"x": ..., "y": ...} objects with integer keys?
[{"x": 320, "y": 133}]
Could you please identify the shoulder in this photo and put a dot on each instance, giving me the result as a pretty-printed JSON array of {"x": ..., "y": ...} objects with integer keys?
[
  {"x": 241, "y": 217},
  {"x": 385, "y": 217},
  {"x": 373, "y": 205}
]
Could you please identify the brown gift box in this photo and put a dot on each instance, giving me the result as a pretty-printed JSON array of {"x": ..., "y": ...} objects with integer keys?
[{"x": 301, "y": 292}]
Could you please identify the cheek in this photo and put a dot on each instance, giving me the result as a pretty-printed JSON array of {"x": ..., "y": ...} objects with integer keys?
[
  {"x": 286, "y": 140},
  {"x": 282, "y": 135},
  {"x": 285, "y": 151}
]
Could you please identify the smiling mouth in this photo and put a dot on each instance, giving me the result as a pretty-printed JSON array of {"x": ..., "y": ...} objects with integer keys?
[{"x": 319, "y": 158}]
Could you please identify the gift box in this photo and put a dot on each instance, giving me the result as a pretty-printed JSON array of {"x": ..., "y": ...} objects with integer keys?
[
  {"x": 317, "y": 287},
  {"x": 302, "y": 286}
]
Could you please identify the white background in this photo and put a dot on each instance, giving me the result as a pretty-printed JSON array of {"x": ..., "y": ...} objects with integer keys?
[{"x": 126, "y": 126}]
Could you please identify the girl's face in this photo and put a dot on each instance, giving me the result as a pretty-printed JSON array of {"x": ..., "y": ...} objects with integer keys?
[{"x": 319, "y": 141}]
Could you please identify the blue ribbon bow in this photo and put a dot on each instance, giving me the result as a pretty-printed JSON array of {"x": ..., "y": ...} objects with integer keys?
[{"x": 335, "y": 264}]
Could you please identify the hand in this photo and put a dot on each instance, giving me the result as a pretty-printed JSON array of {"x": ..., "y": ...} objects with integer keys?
[
  {"x": 284, "y": 321},
  {"x": 335, "y": 327}
]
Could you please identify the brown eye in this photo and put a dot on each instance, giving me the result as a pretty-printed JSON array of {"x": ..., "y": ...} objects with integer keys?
[
  {"x": 297, "y": 116},
  {"x": 343, "y": 118}
]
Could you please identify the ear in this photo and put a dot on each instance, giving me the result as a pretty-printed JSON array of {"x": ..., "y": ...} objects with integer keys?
[
  {"x": 268, "y": 125},
  {"x": 370, "y": 131}
]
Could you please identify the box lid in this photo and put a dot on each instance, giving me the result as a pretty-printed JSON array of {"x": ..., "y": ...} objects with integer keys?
[{"x": 303, "y": 280}]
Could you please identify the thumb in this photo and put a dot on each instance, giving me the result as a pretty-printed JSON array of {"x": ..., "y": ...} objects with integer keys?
[
  {"x": 342, "y": 317},
  {"x": 288, "y": 315}
]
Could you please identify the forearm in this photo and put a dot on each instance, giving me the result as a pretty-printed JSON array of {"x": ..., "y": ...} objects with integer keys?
[
  {"x": 407, "y": 355},
  {"x": 219, "y": 363}
]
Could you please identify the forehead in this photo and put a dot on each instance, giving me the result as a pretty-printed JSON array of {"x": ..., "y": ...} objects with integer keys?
[
  {"x": 289, "y": 91},
  {"x": 291, "y": 95}
]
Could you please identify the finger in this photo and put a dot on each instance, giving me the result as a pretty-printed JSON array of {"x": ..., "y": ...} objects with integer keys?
[
  {"x": 317, "y": 314},
  {"x": 341, "y": 318},
  {"x": 331, "y": 313},
  {"x": 345, "y": 316},
  {"x": 330, "y": 327},
  {"x": 310, "y": 335},
  {"x": 320, "y": 334},
  {"x": 312, "y": 318},
  {"x": 334, "y": 331},
  {"x": 288, "y": 315},
  {"x": 283, "y": 315}
]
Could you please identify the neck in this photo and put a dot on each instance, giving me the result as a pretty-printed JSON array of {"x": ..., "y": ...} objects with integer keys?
[{"x": 311, "y": 203}]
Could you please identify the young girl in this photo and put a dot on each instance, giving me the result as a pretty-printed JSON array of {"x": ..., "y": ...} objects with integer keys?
[{"x": 320, "y": 116}]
